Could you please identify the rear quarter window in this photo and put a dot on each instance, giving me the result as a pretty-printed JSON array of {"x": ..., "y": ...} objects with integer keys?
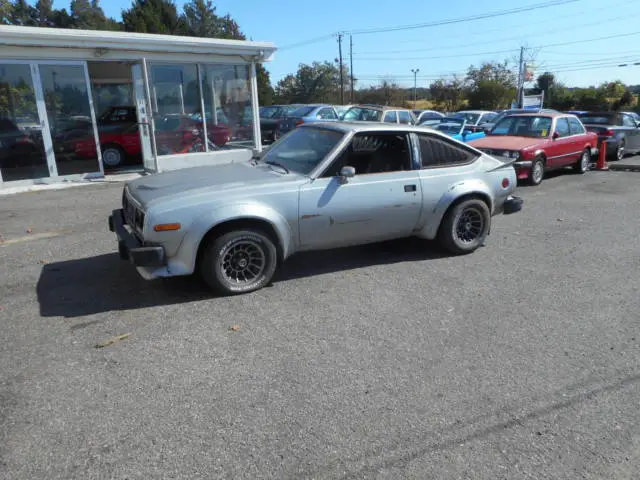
[{"x": 438, "y": 152}]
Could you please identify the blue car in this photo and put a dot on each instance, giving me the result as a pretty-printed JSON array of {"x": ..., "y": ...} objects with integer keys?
[
  {"x": 456, "y": 128},
  {"x": 308, "y": 114}
]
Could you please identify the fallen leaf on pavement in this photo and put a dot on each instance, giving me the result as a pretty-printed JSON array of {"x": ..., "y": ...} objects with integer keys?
[
  {"x": 113, "y": 340},
  {"x": 29, "y": 230},
  {"x": 43, "y": 262},
  {"x": 235, "y": 328}
]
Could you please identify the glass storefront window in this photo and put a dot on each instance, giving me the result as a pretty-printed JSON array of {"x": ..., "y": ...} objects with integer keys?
[
  {"x": 176, "y": 106},
  {"x": 22, "y": 152},
  {"x": 227, "y": 101},
  {"x": 66, "y": 98}
]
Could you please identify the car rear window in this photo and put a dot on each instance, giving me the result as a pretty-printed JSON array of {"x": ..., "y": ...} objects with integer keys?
[
  {"x": 302, "y": 112},
  {"x": 597, "y": 120}
]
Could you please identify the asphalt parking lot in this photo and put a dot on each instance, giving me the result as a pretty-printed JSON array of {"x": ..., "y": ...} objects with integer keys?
[{"x": 386, "y": 361}]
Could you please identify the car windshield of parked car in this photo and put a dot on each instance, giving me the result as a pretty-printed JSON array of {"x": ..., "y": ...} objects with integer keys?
[
  {"x": 303, "y": 148},
  {"x": 360, "y": 114},
  {"x": 302, "y": 111},
  {"x": 269, "y": 112},
  {"x": 471, "y": 118},
  {"x": 596, "y": 120},
  {"x": 523, "y": 126},
  {"x": 450, "y": 128}
]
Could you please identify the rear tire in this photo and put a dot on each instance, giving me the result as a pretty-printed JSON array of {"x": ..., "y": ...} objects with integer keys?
[
  {"x": 537, "y": 172},
  {"x": 465, "y": 226},
  {"x": 582, "y": 165},
  {"x": 237, "y": 262}
]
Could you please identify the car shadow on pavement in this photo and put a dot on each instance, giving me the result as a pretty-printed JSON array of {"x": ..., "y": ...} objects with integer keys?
[
  {"x": 328, "y": 261},
  {"x": 86, "y": 286}
]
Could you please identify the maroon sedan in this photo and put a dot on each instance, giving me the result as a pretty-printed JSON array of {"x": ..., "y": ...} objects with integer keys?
[{"x": 540, "y": 142}]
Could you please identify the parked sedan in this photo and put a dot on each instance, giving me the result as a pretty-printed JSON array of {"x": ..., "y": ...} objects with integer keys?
[
  {"x": 322, "y": 186},
  {"x": 474, "y": 118},
  {"x": 540, "y": 142},
  {"x": 428, "y": 117},
  {"x": 457, "y": 128},
  {"x": 487, "y": 125},
  {"x": 270, "y": 119},
  {"x": 377, "y": 113},
  {"x": 620, "y": 130},
  {"x": 308, "y": 114}
]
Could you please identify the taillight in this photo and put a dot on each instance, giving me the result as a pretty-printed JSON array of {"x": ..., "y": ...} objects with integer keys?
[
  {"x": 23, "y": 140},
  {"x": 608, "y": 133},
  {"x": 505, "y": 182},
  {"x": 299, "y": 122}
]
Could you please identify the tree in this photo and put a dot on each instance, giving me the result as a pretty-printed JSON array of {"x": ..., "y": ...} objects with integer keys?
[
  {"x": 22, "y": 14},
  {"x": 6, "y": 9},
  {"x": 627, "y": 99},
  {"x": 448, "y": 94},
  {"x": 491, "y": 86},
  {"x": 318, "y": 82},
  {"x": 265, "y": 90},
  {"x": 44, "y": 13},
  {"x": 201, "y": 19},
  {"x": 82, "y": 14},
  {"x": 154, "y": 16}
]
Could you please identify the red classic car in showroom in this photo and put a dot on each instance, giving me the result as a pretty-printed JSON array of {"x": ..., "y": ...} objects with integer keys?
[
  {"x": 120, "y": 137},
  {"x": 540, "y": 142}
]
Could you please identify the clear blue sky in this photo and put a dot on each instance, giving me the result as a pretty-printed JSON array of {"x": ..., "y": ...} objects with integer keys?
[{"x": 559, "y": 31}]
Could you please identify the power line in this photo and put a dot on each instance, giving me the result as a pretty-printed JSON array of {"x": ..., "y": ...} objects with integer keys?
[
  {"x": 500, "y": 13},
  {"x": 471, "y": 18},
  {"x": 608, "y": 7},
  {"x": 502, "y": 51},
  {"x": 499, "y": 40}
]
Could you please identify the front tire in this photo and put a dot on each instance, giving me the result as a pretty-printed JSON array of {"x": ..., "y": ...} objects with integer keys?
[
  {"x": 465, "y": 226},
  {"x": 239, "y": 262},
  {"x": 113, "y": 156},
  {"x": 582, "y": 165},
  {"x": 537, "y": 172}
]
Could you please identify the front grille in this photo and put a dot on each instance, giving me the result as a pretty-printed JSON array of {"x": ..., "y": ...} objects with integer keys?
[
  {"x": 491, "y": 151},
  {"x": 133, "y": 215}
]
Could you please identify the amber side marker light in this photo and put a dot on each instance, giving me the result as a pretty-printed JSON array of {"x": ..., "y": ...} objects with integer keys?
[{"x": 167, "y": 227}]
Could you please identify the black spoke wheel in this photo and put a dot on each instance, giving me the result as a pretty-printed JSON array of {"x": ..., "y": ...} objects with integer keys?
[
  {"x": 465, "y": 226},
  {"x": 239, "y": 262}
]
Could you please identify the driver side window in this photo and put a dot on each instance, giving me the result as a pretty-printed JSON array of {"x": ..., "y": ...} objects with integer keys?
[
  {"x": 372, "y": 154},
  {"x": 562, "y": 127}
]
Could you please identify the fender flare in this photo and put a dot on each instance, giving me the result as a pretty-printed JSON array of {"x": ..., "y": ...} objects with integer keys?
[
  {"x": 190, "y": 244},
  {"x": 454, "y": 193}
]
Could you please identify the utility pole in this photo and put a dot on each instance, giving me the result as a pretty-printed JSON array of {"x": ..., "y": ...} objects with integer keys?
[
  {"x": 351, "y": 66},
  {"x": 341, "y": 69},
  {"x": 415, "y": 86},
  {"x": 520, "y": 78}
]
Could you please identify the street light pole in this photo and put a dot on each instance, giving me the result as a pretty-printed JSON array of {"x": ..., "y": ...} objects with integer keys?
[{"x": 415, "y": 85}]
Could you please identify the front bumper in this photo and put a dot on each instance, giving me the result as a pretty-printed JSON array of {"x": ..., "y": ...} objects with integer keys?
[{"x": 130, "y": 248}]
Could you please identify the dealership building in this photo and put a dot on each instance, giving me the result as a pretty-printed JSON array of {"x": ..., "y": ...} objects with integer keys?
[{"x": 74, "y": 103}]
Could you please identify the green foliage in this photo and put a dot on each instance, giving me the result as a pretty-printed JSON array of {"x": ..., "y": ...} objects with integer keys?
[
  {"x": 448, "y": 95},
  {"x": 318, "y": 82},
  {"x": 491, "y": 86},
  {"x": 154, "y": 16}
]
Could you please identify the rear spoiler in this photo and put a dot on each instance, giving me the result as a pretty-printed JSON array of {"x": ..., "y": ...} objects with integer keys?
[{"x": 505, "y": 163}]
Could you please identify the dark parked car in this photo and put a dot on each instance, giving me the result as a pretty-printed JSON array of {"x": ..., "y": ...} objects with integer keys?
[
  {"x": 620, "y": 130},
  {"x": 17, "y": 148},
  {"x": 270, "y": 119}
]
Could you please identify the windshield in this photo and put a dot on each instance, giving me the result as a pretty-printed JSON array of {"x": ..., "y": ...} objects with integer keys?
[
  {"x": 450, "y": 128},
  {"x": 521, "y": 126},
  {"x": 303, "y": 149},
  {"x": 471, "y": 118},
  {"x": 302, "y": 112},
  {"x": 359, "y": 114},
  {"x": 596, "y": 119},
  {"x": 268, "y": 112}
]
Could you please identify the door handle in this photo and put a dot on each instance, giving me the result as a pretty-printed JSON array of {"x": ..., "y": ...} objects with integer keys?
[{"x": 409, "y": 188}]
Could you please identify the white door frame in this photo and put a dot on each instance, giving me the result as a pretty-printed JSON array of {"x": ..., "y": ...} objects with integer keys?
[
  {"x": 144, "y": 116},
  {"x": 44, "y": 122}
]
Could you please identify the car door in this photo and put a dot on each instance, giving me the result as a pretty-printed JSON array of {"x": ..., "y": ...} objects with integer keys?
[
  {"x": 405, "y": 118},
  {"x": 368, "y": 207},
  {"x": 563, "y": 149},
  {"x": 327, "y": 114},
  {"x": 390, "y": 116},
  {"x": 631, "y": 131}
]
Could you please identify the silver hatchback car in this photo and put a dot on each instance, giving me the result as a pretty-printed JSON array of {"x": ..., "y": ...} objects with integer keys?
[{"x": 323, "y": 185}]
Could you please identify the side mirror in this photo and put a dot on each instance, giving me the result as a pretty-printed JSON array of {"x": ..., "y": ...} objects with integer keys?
[
  {"x": 346, "y": 172},
  {"x": 555, "y": 135}
]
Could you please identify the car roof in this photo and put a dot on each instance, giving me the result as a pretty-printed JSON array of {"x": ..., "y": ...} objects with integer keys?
[
  {"x": 474, "y": 111},
  {"x": 359, "y": 127},
  {"x": 599, "y": 113},
  {"x": 381, "y": 107},
  {"x": 543, "y": 114}
]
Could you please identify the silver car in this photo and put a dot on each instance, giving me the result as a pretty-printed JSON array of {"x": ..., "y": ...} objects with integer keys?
[{"x": 323, "y": 185}]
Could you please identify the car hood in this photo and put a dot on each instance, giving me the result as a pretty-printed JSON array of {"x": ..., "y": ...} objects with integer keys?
[
  {"x": 243, "y": 177},
  {"x": 505, "y": 142}
]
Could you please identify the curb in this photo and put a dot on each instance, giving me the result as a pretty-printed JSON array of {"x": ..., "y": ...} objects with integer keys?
[{"x": 624, "y": 167}]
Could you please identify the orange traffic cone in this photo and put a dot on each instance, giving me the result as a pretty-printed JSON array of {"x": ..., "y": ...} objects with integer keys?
[{"x": 601, "y": 164}]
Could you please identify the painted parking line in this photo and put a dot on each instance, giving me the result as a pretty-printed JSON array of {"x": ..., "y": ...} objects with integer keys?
[{"x": 34, "y": 236}]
